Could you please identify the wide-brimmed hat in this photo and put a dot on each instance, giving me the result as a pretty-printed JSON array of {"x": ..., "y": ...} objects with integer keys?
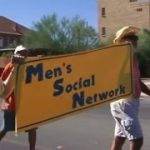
[
  {"x": 124, "y": 32},
  {"x": 19, "y": 48}
]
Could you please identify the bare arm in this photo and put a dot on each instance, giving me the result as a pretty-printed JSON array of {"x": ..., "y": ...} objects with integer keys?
[
  {"x": 10, "y": 81},
  {"x": 2, "y": 87},
  {"x": 9, "y": 84},
  {"x": 145, "y": 88},
  {"x": 8, "y": 87}
]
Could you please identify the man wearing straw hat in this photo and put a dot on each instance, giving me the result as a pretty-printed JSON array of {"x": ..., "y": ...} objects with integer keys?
[{"x": 125, "y": 111}]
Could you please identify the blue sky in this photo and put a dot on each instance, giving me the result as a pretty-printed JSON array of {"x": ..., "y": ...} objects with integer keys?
[{"x": 26, "y": 12}]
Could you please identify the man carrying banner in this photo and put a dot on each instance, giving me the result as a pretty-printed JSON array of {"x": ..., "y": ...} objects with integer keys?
[
  {"x": 7, "y": 93},
  {"x": 125, "y": 111}
]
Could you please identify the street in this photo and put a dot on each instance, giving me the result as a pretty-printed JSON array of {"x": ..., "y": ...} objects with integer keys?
[{"x": 89, "y": 130}]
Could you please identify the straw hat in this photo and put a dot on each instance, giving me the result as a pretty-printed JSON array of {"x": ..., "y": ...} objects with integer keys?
[{"x": 125, "y": 31}]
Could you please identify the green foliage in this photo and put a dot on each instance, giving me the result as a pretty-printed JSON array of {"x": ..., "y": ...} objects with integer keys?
[
  {"x": 144, "y": 45},
  {"x": 12, "y": 45},
  {"x": 6, "y": 53},
  {"x": 107, "y": 42},
  {"x": 144, "y": 53},
  {"x": 62, "y": 36}
]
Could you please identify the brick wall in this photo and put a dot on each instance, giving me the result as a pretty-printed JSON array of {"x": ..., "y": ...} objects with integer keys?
[{"x": 119, "y": 13}]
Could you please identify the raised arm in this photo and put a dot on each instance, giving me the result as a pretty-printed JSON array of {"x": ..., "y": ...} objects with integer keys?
[
  {"x": 9, "y": 84},
  {"x": 145, "y": 89}
]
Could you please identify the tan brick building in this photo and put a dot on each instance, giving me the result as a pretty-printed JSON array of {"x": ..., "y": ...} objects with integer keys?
[{"x": 115, "y": 14}]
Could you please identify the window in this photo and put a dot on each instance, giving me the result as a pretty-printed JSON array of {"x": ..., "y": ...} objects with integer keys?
[
  {"x": 103, "y": 31},
  {"x": 11, "y": 40},
  {"x": 133, "y": 0},
  {"x": 139, "y": 9},
  {"x": 103, "y": 12},
  {"x": 1, "y": 42}
]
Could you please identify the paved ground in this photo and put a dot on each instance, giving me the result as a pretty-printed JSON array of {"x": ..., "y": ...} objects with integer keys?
[{"x": 91, "y": 130}]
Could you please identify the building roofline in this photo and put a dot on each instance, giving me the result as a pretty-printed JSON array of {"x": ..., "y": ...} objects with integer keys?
[{"x": 10, "y": 33}]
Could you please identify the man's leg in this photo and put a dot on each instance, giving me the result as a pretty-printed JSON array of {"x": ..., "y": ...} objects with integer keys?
[
  {"x": 136, "y": 144},
  {"x": 32, "y": 138},
  {"x": 2, "y": 134},
  {"x": 118, "y": 143},
  {"x": 9, "y": 123},
  {"x": 119, "y": 138}
]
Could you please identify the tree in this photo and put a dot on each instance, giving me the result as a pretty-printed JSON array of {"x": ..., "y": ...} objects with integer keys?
[
  {"x": 62, "y": 36},
  {"x": 144, "y": 52},
  {"x": 144, "y": 44}
]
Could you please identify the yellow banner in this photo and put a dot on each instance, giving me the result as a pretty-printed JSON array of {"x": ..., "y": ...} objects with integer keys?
[{"x": 54, "y": 87}]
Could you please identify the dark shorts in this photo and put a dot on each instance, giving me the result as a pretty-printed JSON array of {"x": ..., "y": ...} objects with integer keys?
[{"x": 9, "y": 121}]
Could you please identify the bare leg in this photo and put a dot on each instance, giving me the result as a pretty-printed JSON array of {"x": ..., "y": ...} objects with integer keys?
[
  {"x": 2, "y": 134},
  {"x": 136, "y": 144},
  {"x": 118, "y": 143},
  {"x": 32, "y": 138}
]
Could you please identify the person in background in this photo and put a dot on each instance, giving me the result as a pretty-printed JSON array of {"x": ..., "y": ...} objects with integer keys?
[
  {"x": 7, "y": 93},
  {"x": 125, "y": 111}
]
